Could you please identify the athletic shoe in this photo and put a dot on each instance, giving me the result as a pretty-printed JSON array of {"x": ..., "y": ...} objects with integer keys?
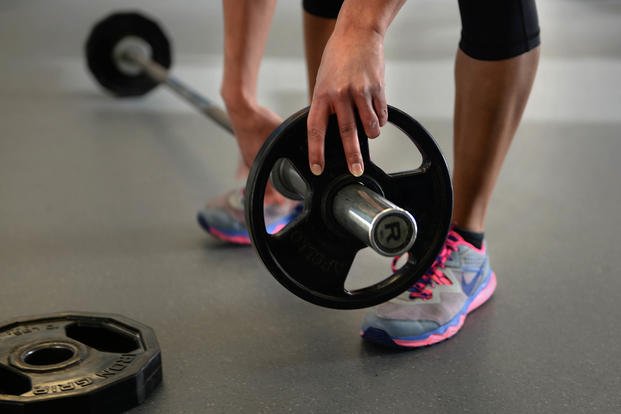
[
  {"x": 435, "y": 308},
  {"x": 223, "y": 217}
]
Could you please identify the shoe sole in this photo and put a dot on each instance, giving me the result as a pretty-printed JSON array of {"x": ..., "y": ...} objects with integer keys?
[{"x": 442, "y": 333}]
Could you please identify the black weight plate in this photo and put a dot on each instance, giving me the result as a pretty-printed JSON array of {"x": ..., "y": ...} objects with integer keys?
[
  {"x": 312, "y": 256},
  {"x": 76, "y": 363},
  {"x": 106, "y": 34}
]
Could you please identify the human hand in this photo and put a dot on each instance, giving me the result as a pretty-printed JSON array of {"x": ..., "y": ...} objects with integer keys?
[
  {"x": 252, "y": 124},
  {"x": 350, "y": 79}
]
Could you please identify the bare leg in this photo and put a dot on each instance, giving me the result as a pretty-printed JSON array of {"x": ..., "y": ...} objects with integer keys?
[
  {"x": 317, "y": 31},
  {"x": 490, "y": 98},
  {"x": 246, "y": 28}
]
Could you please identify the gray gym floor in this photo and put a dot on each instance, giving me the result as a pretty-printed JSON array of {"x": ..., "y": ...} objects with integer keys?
[{"x": 98, "y": 198}]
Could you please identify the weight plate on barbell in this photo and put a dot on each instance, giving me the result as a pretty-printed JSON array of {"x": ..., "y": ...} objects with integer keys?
[
  {"x": 76, "y": 363},
  {"x": 130, "y": 29},
  {"x": 312, "y": 256}
]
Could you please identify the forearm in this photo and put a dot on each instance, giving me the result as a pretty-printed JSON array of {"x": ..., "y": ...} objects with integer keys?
[
  {"x": 350, "y": 78},
  {"x": 246, "y": 28},
  {"x": 369, "y": 15}
]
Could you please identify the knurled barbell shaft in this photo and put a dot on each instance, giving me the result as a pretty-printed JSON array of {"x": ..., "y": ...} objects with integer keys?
[{"x": 380, "y": 224}]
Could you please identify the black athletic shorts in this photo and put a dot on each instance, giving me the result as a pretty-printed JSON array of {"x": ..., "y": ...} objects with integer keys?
[{"x": 490, "y": 29}]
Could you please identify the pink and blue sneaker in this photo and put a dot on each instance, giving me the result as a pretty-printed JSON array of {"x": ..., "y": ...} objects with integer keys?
[
  {"x": 223, "y": 217},
  {"x": 434, "y": 309}
]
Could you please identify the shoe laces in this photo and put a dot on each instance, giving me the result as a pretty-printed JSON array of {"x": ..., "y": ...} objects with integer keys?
[{"x": 435, "y": 275}]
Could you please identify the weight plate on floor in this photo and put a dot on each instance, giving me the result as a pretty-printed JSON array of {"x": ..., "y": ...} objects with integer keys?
[
  {"x": 76, "y": 363},
  {"x": 132, "y": 30},
  {"x": 312, "y": 256}
]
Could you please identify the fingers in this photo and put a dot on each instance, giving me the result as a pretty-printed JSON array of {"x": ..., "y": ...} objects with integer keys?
[
  {"x": 317, "y": 124},
  {"x": 349, "y": 136},
  {"x": 380, "y": 107},
  {"x": 372, "y": 110},
  {"x": 369, "y": 116}
]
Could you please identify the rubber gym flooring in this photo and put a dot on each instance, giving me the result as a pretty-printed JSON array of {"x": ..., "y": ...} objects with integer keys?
[{"x": 98, "y": 198}]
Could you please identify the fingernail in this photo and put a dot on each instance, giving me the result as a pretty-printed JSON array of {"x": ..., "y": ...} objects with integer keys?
[
  {"x": 316, "y": 169},
  {"x": 356, "y": 169}
]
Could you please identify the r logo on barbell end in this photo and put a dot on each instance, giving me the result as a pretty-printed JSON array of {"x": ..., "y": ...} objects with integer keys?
[{"x": 394, "y": 233}]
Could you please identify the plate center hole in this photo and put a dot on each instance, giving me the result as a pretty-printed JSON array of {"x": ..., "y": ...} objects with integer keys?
[{"x": 49, "y": 355}]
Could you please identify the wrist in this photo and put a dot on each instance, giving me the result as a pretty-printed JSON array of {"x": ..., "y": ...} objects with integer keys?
[
  {"x": 359, "y": 38},
  {"x": 360, "y": 29},
  {"x": 368, "y": 16}
]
